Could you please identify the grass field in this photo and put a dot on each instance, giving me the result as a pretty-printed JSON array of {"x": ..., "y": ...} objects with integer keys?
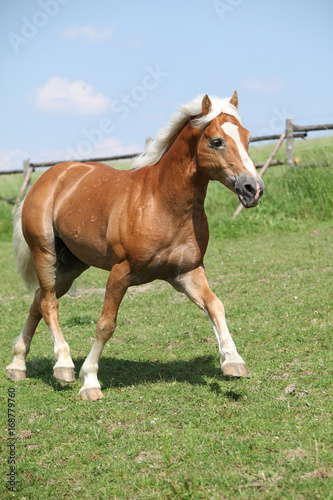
[{"x": 170, "y": 426}]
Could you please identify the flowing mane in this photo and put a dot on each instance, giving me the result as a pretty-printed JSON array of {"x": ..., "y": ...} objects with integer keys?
[{"x": 167, "y": 135}]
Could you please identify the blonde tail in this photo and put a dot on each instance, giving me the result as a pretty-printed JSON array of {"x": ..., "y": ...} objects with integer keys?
[{"x": 24, "y": 259}]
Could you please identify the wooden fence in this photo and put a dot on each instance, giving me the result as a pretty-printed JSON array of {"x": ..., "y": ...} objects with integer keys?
[{"x": 292, "y": 132}]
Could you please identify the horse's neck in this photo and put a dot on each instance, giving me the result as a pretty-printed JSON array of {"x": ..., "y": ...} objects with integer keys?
[{"x": 183, "y": 185}]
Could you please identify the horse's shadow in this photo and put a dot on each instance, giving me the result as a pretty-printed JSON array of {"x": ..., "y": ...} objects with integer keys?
[{"x": 115, "y": 372}]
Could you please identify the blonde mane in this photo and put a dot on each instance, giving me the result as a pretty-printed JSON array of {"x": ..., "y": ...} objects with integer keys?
[{"x": 167, "y": 135}]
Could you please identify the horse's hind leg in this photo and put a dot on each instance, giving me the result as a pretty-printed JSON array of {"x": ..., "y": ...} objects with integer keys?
[
  {"x": 65, "y": 275},
  {"x": 46, "y": 304},
  {"x": 17, "y": 369}
]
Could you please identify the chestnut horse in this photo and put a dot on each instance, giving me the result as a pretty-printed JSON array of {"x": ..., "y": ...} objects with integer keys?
[{"x": 143, "y": 224}]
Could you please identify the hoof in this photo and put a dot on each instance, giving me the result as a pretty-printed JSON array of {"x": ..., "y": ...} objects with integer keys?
[
  {"x": 64, "y": 374},
  {"x": 235, "y": 370},
  {"x": 91, "y": 394},
  {"x": 16, "y": 375}
]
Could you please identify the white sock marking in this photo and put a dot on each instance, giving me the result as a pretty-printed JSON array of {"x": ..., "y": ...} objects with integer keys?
[{"x": 228, "y": 352}]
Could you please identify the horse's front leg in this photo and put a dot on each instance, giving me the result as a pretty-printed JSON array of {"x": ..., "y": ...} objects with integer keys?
[
  {"x": 118, "y": 282},
  {"x": 194, "y": 284}
]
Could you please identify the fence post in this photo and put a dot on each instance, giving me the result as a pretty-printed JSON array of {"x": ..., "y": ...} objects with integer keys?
[
  {"x": 27, "y": 171},
  {"x": 25, "y": 185},
  {"x": 290, "y": 142},
  {"x": 26, "y": 164}
]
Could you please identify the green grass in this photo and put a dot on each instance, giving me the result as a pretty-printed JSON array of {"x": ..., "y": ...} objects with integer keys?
[
  {"x": 170, "y": 426},
  {"x": 310, "y": 152}
]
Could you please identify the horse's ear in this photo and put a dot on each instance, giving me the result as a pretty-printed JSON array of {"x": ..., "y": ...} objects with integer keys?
[
  {"x": 206, "y": 105},
  {"x": 234, "y": 99}
]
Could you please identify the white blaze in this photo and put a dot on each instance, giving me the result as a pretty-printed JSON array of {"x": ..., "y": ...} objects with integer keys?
[{"x": 232, "y": 131}]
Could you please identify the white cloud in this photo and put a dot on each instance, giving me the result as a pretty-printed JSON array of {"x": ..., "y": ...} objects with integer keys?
[
  {"x": 60, "y": 95},
  {"x": 90, "y": 33},
  {"x": 12, "y": 159},
  {"x": 271, "y": 85}
]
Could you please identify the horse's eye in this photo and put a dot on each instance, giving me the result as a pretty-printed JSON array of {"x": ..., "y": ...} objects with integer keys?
[{"x": 217, "y": 143}]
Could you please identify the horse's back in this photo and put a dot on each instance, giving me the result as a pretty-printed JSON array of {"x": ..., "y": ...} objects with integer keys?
[
  {"x": 69, "y": 181},
  {"x": 65, "y": 175}
]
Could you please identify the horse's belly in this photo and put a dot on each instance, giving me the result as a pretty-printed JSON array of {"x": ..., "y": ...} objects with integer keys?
[
  {"x": 88, "y": 250},
  {"x": 149, "y": 260},
  {"x": 84, "y": 235}
]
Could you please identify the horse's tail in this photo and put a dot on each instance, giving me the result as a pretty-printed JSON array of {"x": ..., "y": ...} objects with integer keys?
[{"x": 24, "y": 258}]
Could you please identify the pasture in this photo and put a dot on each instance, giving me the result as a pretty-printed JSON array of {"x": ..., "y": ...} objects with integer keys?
[{"x": 170, "y": 426}]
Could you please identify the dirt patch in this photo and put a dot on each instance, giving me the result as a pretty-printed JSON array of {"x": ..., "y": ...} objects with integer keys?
[
  {"x": 279, "y": 376},
  {"x": 296, "y": 453},
  {"x": 146, "y": 456},
  {"x": 206, "y": 341},
  {"x": 174, "y": 344},
  {"x": 32, "y": 446},
  {"x": 320, "y": 473},
  {"x": 290, "y": 389},
  {"x": 158, "y": 286},
  {"x": 24, "y": 435}
]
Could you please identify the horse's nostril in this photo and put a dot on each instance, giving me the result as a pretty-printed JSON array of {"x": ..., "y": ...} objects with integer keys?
[{"x": 250, "y": 189}]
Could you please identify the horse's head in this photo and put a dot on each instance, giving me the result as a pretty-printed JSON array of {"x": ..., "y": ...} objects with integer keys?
[{"x": 222, "y": 152}]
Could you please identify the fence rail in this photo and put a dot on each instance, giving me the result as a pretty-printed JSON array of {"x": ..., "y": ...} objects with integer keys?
[
  {"x": 292, "y": 132},
  {"x": 104, "y": 158},
  {"x": 312, "y": 128},
  {"x": 291, "y": 129},
  {"x": 277, "y": 136}
]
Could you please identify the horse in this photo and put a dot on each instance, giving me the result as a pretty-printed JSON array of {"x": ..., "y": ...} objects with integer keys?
[{"x": 140, "y": 225}]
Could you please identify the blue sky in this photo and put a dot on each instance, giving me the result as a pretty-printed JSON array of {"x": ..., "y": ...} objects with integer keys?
[{"x": 82, "y": 78}]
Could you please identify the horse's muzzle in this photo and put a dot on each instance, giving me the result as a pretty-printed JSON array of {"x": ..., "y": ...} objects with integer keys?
[{"x": 249, "y": 189}]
